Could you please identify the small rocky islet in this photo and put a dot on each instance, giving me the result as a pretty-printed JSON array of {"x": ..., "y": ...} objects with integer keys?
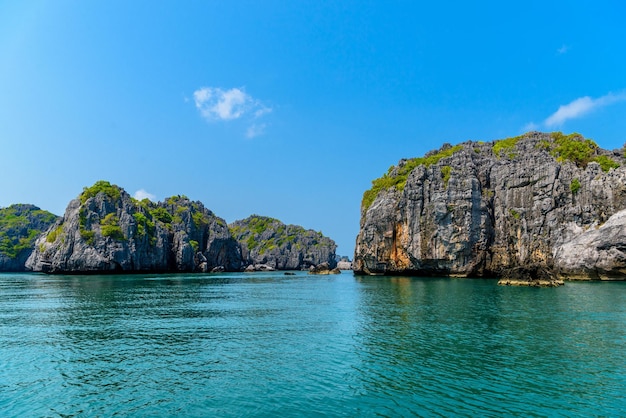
[{"x": 532, "y": 210}]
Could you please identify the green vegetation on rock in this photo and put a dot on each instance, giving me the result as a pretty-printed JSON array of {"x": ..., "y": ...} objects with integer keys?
[
  {"x": 262, "y": 235},
  {"x": 53, "y": 235},
  {"x": 396, "y": 177},
  {"x": 506, "y": 145},
  {"x": 446, "y": 171},
  {"x": 20, "y": 225},
  {"x": 575, "y": 148},
  {"x": 110, "y": 227},
  {"x": 101, "y": 186},
  {"x": 161, "y": 214},
  {"x": 606, "y": 163},
  {"x": 86, "y": 234},
  {"x": 574, "y": 186}
]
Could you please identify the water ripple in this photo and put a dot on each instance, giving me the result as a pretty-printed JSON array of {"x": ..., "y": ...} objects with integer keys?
[{"x": 266, "y": 345}]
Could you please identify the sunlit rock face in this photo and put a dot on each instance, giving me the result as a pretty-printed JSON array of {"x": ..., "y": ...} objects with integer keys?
[
  {"x": 104, "y": 230},
  {"x": 483, "y": 208}
]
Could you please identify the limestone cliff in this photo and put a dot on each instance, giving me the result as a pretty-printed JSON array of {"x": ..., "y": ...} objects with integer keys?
[
  {"x": 20, "y": 225},
  {"x": 269, "y": 242},
  {"x": 105, "y": 230},
  {"x": 482, "y": 208}
]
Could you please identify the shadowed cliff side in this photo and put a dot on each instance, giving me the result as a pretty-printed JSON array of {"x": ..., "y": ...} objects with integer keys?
[{"x": 482, "y": 209}]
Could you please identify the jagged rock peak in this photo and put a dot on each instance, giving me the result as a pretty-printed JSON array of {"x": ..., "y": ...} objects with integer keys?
[
  {"x": 106, "y": 230},
  {"x": 482, "y": 208},
  {"x": 268, "y": 241}
]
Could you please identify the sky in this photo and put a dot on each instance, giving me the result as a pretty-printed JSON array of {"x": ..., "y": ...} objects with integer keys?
[{"x": 288, "y": 108}]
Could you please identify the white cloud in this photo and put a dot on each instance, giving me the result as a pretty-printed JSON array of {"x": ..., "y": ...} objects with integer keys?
[
  {"x": 141, "y": 194},
  {"x": 218, "y": 104},
  {"x": 562, "y": 50},
  {"x": 581, "y": 107},
  {"x": 255, "y": 130},
  {"x": 262, "y": 110}
]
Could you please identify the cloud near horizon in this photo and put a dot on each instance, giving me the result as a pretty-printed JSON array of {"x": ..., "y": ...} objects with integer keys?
[{"x": 141, "y": 194}]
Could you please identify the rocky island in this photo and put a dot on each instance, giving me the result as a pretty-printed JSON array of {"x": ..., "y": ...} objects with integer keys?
[
  {"x": 105, "y": 230},
  {"x": 532, "y": 208},
  {"x": 268, "y": 244},
  {"x": 20, "y": 225}
]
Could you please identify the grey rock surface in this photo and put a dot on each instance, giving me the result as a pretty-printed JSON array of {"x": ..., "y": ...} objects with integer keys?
[
  {"x": 105, "y": 230},
  {"x": 597, "y": 252},
  {"x": 267, "y": 241},
  {"x": 479, "y": 209}
]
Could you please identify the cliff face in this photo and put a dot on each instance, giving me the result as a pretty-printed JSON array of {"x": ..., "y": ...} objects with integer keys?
[
  {"x": 105, "y": 230},
  {"x": 267, "y": 241},
  {"x": 20, "y": 225},
  {"x": 479, "y": 209}
]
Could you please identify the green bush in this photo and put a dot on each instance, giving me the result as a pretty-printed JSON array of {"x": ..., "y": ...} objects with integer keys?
[
  {"x": 606, "y": 163},
  {"x": 574, "y": 186},
  {"x": 161, "y": 214},
  {"x": 199, "y": 219},
  {"x": 515, "y": 213},
  {"x": 144, "y": 224},
  {"x": 112, "y": 191},
  {"x": 446, "y": 171},
  {"x": 109, "y": 226},
  {"x": 506, "y": 145},
  {"x": 88, "y": 236},
  {"x": 573, "y": 147},
  {"x": 53, "y": 235}
]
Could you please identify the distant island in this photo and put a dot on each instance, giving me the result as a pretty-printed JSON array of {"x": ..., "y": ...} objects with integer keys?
[
  {"x": 105, "y": 230},
  {"x": 20, "y": 226},
  {"x": 533, "y": 209}
]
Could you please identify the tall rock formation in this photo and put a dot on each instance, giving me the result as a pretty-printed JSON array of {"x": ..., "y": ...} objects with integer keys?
[
  {"x": 269, "y": 242},
  {"x": 105, "y": 230},
  {"x": 20, "y": 225},
  {"x": 481, "y": 209}
]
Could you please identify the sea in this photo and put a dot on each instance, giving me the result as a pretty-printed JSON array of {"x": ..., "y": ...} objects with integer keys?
[{"x": 269, "y": 344}]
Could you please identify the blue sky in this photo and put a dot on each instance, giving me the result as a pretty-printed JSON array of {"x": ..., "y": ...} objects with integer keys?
[{"x": 288, "y": 108}]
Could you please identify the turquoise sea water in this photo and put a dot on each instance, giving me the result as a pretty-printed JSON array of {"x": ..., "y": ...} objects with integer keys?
[{"x": 267, "y": 344}]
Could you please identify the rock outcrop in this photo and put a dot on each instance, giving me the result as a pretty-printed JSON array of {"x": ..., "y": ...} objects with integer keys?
[
  {"x": 324, "y": 269},
  {"x": 485, "y": 209},
  {"x": 105, "y": 230},
  {"x": 597, "y": 251},
  {"x": 269, "y": 242},
  {"x": 20, "y": 225}
]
